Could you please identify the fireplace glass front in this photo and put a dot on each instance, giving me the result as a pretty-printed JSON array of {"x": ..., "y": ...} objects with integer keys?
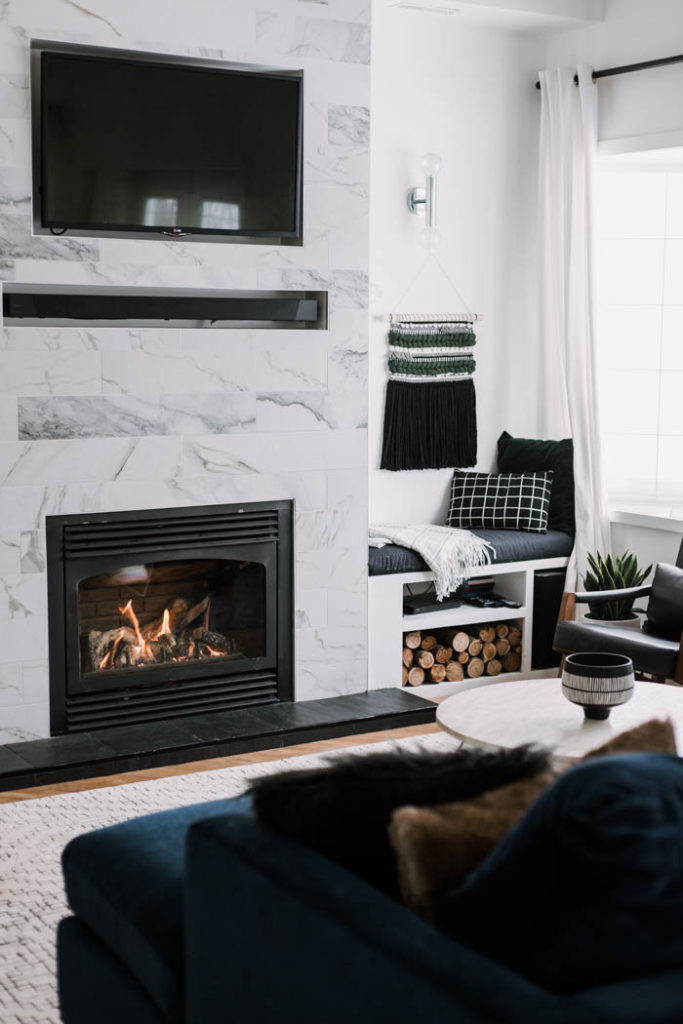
[{"x": 164, "y": 613}]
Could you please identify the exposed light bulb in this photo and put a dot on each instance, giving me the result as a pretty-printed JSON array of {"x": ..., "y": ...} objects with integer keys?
[
  {"x": 430, "y": 238},
  {"x": 431, "y": 164}
]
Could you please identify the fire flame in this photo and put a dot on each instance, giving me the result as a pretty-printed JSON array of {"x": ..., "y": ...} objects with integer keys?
[
  {"x": 164, "y": 640},
  {"x": 165, "y": 624}
]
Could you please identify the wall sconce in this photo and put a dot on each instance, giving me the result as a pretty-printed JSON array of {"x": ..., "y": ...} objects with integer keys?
[{"x": 423, "y": 200}]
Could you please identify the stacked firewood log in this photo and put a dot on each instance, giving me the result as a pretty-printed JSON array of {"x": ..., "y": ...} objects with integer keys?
[{"x": 452, "y": 655}]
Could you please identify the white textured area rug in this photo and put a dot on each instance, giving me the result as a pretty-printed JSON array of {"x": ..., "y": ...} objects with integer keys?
[{"x": 33, "y": 834}]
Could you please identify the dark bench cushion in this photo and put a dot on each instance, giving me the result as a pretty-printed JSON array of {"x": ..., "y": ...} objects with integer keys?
[
  {"x": 510, "y": 546},
  {"x": 648, "y": 653},
  {"x": 126, "y": 883}
]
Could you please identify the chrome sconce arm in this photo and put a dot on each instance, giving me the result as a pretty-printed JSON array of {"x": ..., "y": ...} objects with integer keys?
[{"x": 423, "y": 200}]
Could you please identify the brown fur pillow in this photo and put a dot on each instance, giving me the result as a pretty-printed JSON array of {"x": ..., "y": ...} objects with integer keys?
[{"x": 436, "y": 847}]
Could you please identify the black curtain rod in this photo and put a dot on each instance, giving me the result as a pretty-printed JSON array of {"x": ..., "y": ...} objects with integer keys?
[{"x": 626, "y": 69}]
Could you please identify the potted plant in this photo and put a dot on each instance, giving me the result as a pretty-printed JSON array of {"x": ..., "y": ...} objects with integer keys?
[{"x": 614, "y": 574}]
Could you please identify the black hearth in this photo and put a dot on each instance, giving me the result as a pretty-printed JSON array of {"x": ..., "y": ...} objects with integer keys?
[{"x": 167, "y": 613}]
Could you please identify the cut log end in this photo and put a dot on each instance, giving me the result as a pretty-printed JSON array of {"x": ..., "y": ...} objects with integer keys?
[
  {"x": 475, "y": 668},
  {"x": 416, "y": 676}
]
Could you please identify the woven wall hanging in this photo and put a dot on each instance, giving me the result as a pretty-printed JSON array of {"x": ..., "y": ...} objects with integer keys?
[{"x": 430, "y": 416}]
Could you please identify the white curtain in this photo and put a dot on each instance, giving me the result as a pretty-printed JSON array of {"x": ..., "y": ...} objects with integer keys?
[{"x": 569, "y": 403}]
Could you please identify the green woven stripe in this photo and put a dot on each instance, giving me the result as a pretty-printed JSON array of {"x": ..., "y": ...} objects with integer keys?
[
  {"x": 420, "y": 339},
  {"x": 430, "y": 367}
]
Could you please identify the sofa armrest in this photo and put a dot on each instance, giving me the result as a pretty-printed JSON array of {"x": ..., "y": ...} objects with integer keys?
[{"x": 276, "y": 932}]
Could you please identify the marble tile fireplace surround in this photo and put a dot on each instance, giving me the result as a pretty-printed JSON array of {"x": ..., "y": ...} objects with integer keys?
[{"x": 99, "y": 419}]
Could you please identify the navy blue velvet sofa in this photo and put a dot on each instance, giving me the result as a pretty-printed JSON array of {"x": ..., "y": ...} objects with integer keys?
[{"x": 201, "y": 915}]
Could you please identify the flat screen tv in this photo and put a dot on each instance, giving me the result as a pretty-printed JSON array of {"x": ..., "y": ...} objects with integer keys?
[{"x": 143, "y": 145}]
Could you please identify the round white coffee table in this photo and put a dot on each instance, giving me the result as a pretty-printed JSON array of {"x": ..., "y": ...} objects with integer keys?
[{"x": 534, "y": 711}]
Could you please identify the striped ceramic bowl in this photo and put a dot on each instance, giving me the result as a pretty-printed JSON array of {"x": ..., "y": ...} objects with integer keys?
[{"x": 597, "y": 682}]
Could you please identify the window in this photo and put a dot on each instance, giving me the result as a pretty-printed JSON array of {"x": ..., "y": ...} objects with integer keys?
[{"x": 640, "y": 324}]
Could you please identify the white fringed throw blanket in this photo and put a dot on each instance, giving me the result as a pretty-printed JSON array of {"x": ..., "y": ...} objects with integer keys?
[{"x": 448, "y": 552}]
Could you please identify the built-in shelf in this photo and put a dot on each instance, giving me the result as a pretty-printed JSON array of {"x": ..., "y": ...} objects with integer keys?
[
  {"x": 30, "y": 305},
  {"x": 466, "y": 615}
]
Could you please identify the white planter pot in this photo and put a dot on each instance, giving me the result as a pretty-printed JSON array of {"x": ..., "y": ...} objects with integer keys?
[{"x": 632, "y": 623}]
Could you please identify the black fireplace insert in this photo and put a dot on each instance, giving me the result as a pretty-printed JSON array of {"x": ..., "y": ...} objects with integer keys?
[{"x": 169, "y": 612}]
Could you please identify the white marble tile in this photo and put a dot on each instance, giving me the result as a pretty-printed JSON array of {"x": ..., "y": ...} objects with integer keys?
[
  {"x": 10, "y": 553},
  {"x": 349, "y": 243},
  {"x": 216, "y": 366},
  {"x": 25, "y": 508},
  {"x": 339, "y": 568},
  {"x": 133, "y": 416},
  {"x": 15, "y": 143},
  {"x": 348, "y": 125},
  {"x": 322, "y": 528},
  {"x": 348, "y": 289},
  {"x": 347, "y": 489},
  {"x": 302, "y": 411},
  {"x": 348, "y": 607},
  {"x": 22, "y": 637},
  {"x": 14, "y": 96},
  {"x": 311, "y": 608},
  {"x": 23, "y": 597},
  {"x": 337, "y": 678},
  {"x": 8, "y": 419},
  {"x": 26, "y": 722},
  {"x": 17, "y": 241},
  {"x": 272, "y": 453},
  {"x": 36, "y": 682},
  {"x": 90, "y": 339},
  {"x": 14, "y": 39},
  {"x": 314, "y": 37},
  {"x": 339, "y": 184},
  {"x": 15, "y": 189},
  {"x": 308, "y": 489},
  {"x": 33, "y": 557},
  {"x": 51, "y": 373},
  {"x": 330, "y": 643},
  {"x": 80, "y": 461},
  {"x": 139, "y": 373},
  {"x": 259, "y": 360},
  {"x": 140, "y": 274},
  {"x": 11, "y": 686}
]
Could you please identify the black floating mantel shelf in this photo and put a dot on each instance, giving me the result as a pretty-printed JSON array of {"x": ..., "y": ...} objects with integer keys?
[{"x": 30, "y": 305}]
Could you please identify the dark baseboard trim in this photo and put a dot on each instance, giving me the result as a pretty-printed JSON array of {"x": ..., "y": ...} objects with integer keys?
[{"x": 199, "y": 737}]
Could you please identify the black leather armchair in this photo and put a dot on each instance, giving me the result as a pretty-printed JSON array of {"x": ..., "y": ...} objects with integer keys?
[{"x": 652, "y": 655}]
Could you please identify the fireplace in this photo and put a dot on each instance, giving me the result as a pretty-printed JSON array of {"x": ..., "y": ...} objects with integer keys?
[{"x": 168, "y": 613}]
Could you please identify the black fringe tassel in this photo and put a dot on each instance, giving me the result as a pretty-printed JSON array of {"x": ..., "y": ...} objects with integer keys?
[{"x": 429, "y": 426}]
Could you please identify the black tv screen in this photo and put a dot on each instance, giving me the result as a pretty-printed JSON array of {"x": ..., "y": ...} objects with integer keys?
[{"x": 150, "y": 145}]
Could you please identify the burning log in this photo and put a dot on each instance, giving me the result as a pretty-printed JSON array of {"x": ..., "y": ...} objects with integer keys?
[
  {"x": 103, "y": 645},
  {"x": 215, "y": 641},
  {"x": 168, "y": 638}
]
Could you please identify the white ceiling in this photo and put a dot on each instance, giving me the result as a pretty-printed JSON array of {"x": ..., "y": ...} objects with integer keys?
[{"x": 510, "y": 14}]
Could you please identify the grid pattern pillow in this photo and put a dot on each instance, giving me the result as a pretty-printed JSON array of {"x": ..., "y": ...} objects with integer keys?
[{"x": 500, "y": 501}]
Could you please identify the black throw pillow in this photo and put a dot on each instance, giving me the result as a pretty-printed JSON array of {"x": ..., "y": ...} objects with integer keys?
[
  {"x": 665, "y": 607},
  {"x": 587, "y": 889},
  {"x": 527, "y": 455},
  {"x": 343, "y": 810}
]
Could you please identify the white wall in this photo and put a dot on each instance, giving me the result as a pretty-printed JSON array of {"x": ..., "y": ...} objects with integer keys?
[
  {"x": 640, "y": 104},
  {"x": 247, "y": 415},
  {"x": 467, "y": 93}
]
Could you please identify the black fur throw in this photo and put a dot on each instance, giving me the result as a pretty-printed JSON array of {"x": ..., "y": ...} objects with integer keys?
[{"x": 343, "y": 810}]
